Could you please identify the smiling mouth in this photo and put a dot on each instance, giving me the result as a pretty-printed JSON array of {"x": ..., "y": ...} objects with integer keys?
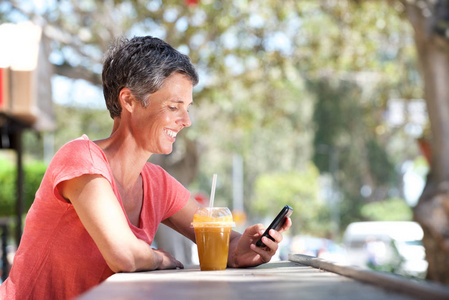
[{"x": 171, "y": 133}]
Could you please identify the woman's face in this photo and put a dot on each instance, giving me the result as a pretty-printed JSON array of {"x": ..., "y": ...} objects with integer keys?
[{"x": 156, "y": 126}]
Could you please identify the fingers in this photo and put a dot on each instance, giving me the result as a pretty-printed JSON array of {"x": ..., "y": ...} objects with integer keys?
[
  {"x": 179, "y": 265},
  {"x": 254, "y": 232},
  {"x": 168, "y": 261},
  {"x": 173, "y": 263},
  {"x": 287, "y": 225},
  {"x": 276, "y": 235},
  {"x": 256, "y": 229},
  {"x": 270, "y": 246},
  {"x": 248, "y": 254},
  {"x": 267, "y": 252}
]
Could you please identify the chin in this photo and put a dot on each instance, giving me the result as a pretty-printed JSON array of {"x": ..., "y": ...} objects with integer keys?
[{"x": 167, "y": 151}]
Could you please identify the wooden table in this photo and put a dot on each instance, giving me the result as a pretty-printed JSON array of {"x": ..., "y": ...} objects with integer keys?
[{"x": 273, "y": 281}]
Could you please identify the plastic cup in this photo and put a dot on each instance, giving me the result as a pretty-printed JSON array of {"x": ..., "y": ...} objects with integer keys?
[{"x": 212, "y": 231}]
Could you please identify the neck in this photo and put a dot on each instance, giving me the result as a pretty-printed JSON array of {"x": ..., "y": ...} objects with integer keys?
[{"x": 125, "y": 159}]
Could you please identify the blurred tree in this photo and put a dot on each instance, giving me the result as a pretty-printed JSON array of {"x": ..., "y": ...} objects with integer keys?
[
  {"x": 392, "y": 209},
  {"x": 358, "y": 55},
  {"x": 72, "y": 122},
  {"x": 345, "y": 138},
  {"x": 76, "y": 121},
  {"x": 7, "y": 192},
  {"x": 33, "y": 170},
  {"x": 430, "y": 21},
  {"x": 301, "y": 190}
]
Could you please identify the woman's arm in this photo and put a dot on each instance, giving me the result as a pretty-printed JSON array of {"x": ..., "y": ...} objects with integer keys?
[
  {"x": 242, "y": 249},
  {"x": 105, "y": 221},
  {"x": 182, "y": 220}
]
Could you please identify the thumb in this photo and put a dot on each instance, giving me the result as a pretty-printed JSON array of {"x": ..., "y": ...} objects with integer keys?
[{"x": 256, "y": 229}]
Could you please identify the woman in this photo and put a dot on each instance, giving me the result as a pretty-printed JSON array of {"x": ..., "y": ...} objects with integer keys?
[{"x": 100, "y": 203}]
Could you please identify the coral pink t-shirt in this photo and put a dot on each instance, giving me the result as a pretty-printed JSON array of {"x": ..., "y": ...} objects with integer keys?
[{"x": 57, "y": 258}]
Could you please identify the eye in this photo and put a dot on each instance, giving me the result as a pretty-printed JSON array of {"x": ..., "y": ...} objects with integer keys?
[{"x": 173, "y": 108}]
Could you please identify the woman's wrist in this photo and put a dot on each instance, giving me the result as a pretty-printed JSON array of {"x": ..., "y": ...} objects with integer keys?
[
  {"x": 157, "y": 259},
  {"x": 232, "y": 256}
]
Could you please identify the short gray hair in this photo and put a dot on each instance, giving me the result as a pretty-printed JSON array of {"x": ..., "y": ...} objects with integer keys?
[{"x": 141, "y": 64}]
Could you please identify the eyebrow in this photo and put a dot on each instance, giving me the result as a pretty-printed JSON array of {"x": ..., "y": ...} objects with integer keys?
[{"x": 180, "y": 101}]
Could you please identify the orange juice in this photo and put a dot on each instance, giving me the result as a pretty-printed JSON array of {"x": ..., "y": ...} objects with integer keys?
[
  {"x": 213, "y": 247},
  {"x": 212, "y": 232}
]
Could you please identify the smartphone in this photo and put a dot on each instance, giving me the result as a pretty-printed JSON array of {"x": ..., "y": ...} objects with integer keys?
[{"x": 277, "y": 224}]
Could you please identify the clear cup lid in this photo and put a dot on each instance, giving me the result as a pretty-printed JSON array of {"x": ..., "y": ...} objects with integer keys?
[{"x": 215, "y": 216}]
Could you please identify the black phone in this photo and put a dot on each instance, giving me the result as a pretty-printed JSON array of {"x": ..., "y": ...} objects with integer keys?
[{"x": 277, "y": 224}]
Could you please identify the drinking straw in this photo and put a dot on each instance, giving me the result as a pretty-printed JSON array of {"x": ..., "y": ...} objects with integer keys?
[{"x": 212, "y": 193}]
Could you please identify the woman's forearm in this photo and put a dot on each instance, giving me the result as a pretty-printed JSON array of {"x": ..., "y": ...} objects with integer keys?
[
  {"x": 133, "y": 256},
  {"x": 233, "y": 242}
]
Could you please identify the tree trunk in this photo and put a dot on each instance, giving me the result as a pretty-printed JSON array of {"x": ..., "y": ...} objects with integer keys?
[{"x": 432, "y": 210}]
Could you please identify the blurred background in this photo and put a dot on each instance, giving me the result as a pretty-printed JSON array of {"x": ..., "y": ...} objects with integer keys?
[{"x": 314, "y": 104}]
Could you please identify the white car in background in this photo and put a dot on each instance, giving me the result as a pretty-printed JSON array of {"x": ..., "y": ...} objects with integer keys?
[{"x": 387, "y": 243}]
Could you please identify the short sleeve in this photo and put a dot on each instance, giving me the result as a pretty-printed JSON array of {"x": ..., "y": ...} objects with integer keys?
[{"x": 77, "y": 158}]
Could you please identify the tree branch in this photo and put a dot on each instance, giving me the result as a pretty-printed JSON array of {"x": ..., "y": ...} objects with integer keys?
[{"x": 78, "y": 73}]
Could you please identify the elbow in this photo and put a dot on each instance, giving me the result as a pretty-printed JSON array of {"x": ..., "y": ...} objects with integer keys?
[
  {"x": 122, "y": 263},
  {"x": 124, "y": 268},
  {"x": 131, "y": 258}
]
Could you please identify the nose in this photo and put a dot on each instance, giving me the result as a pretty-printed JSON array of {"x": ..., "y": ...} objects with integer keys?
[{"x": 184, "y": 120}]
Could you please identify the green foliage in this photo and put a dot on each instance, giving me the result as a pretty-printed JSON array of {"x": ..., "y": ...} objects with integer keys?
[
  {"x": 300, "y": 190},
  {"x": 380, "y": 165},
  {"x": 33, "y": 174},
  {"x": 334, "y": 130},
  {"x": 363, "y": 56},
  {"x": 392, "y": 209},
  {"x": 7, "y": 187},
  {"x": 74, "y": 122},
  {"x": 345, "y": 144}
]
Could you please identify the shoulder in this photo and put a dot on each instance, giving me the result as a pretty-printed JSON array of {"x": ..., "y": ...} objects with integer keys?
[
  {"x": 80, "y": 148},
  {"x": 77, "y": 157}
]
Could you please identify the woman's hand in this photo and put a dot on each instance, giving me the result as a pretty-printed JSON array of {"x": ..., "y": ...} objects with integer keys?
[
  {"x": 244, "y": 252},
  {"x": 166, "y": 260}
]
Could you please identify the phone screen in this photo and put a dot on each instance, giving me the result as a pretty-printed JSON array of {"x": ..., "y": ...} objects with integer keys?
[{"x": 277, "y": 224}]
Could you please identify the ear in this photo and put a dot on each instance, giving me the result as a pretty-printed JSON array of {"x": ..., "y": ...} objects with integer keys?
[{"x": 126, "y": 99}]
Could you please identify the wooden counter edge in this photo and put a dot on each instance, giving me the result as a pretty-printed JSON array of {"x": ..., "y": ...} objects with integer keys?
[{"x": 413, "y": 287}]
